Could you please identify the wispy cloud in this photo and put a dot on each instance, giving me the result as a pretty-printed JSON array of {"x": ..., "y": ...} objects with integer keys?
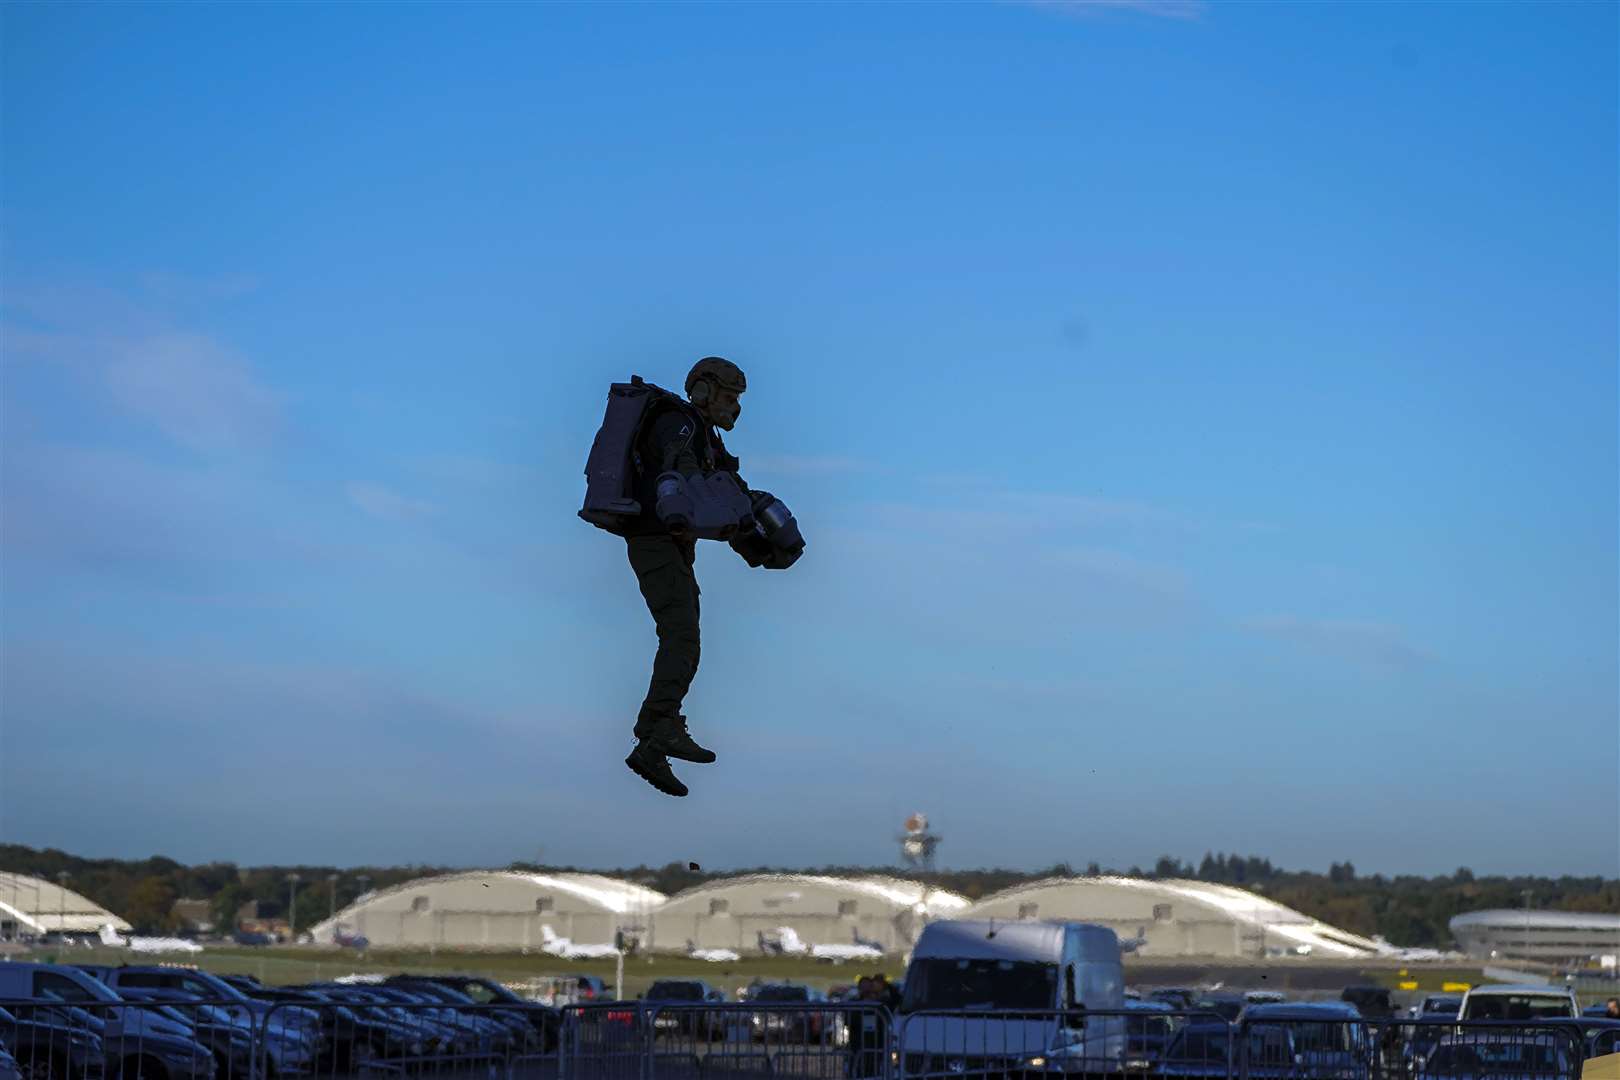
[
  {"x": 197, "y": 391},
  {"x": 1128, "y": 570},
  {"x": 1376, "y": 644},
  {"x": 194, "y": 388},
  {"x": 380, "y": 502},
  {"x": 1183, "y": 10}
]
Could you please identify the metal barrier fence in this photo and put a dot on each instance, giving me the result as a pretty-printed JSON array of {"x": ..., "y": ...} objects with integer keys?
[{"x": 421, "y": 1030}]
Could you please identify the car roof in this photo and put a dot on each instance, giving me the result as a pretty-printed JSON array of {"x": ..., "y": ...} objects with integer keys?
[
  {"x": 1147, "y": 1006},
  {"x": 1510, "y": 1035},
  {"x": 1543, "y": 989},
  {"x": 1303, "y": 1010}
]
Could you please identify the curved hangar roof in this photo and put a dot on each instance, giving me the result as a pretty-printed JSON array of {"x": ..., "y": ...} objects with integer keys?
[
  {"x": 732, "y": 913},
  {"x": 1176, "y": 917},
  {"x": 34, "y": 906},
  {"x": 1517, "y": 918},
  {"x": 499, "y": 909}
]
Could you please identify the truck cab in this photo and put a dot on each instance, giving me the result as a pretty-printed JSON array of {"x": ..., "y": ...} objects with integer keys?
[
  {"x": 1021, "y": 993},
  {"x": 1510, "y": 1002}
]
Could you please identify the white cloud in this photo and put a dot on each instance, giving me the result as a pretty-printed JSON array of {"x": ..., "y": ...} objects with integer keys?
[
  {"x": 1377, "y": 644},
  {"x": 194, "y": 388},
  {"x": 380, "y": 502},
  {"x": 198, "y": 392}
]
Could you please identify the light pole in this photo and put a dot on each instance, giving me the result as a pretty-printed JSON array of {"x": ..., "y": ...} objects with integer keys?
[
  {"x": 331, "y": 881},
  {"x": 360, "y": 921},
  {"x": 292, "y": 908},
  {"x": 61, "y": 901}
]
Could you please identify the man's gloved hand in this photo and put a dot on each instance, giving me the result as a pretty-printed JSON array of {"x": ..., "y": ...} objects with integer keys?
[
  {"x": 754, "y": 548},
  {"x": 774, "y": 542}
]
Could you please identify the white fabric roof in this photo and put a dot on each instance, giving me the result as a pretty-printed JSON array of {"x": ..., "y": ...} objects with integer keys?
[
  {"x": 605, "y": 892},
  {"x": 1239, "y": 904},
  {"x": 39, "y": 905},
  {"x": 896, "y": 891}
]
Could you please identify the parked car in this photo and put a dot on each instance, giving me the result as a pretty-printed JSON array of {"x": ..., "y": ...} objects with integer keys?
[
  {"x": 673, "y": 1001},
  {"x": 351, "y": 1041},
  {"x": 788, "y": 1022},
  {"x": 135, "y": 1042},
  {"x": 206, "y": 986},
  {"x": 52, "y": 1042},
  {"x": 1226, "y": 1006},
  {"x": 1505, "y": 1056},
  {"x": 545, "y": 1019},
  {"x": 433, "y": 1036},
  {"x": 1435, "y": 1005},
  {"x": 1602, "y": 1036},
  {"x": 1420, "y": 1035},
  {"x": 1328, "y": 1039},
  {"x": 232, "y": 1044},
  {"x": 1202, "y": 1048},
  {"x": 590, "y": 988},
  {"x": 1373, "y": 1002},
  {"x": 520, "y": 1034},
  {"x": 481, "y": 1034},
  {"x": 1515, "y": 1002},
  {"x": 1148, "y": 1031},
  {"x": 1177, "y": 997}
]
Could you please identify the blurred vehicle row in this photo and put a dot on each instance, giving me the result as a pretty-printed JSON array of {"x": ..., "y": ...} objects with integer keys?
[
  {"x": 1004, "y": 1014},
  {"x": 96, "y": 1022}
]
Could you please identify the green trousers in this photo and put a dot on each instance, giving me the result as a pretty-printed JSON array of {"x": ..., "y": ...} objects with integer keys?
[{"x": 663, "y": 567}]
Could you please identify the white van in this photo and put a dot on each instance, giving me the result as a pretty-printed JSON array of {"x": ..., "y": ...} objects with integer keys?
[
  {"x": 1025, "y": 988},
  {"x": 1509, "y": 1002}
]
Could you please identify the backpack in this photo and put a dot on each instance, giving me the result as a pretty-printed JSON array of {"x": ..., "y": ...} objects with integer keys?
[{"x": 610, "y": 471}]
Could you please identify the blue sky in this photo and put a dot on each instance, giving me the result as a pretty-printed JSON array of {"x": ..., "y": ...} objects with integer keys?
[{"x": 1202, "y": 417}]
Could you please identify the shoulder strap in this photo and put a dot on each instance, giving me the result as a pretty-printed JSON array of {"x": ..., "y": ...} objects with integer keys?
[{"x": 664, "y": 401}]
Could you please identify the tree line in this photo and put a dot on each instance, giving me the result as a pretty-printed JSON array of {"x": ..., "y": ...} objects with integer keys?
[{"x": 1408, "y": 910}]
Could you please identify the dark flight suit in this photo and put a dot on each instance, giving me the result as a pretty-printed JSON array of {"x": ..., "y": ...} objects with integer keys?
[{"x": 677, "y": 440}]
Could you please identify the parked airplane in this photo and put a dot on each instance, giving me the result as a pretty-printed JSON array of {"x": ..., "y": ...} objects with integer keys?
[
  {"x": 563, "y": 947},
  {"x": 110, "y": 936},
  {"x": 345, "y": 940},
  {"x": 717, "y": 956},
  {"x": 785, "y": 941}
]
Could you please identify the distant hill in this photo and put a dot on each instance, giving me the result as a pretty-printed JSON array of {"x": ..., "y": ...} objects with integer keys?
[{"x": 1407, "y": 910}]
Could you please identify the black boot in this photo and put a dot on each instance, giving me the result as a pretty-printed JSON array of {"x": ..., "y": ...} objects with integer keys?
[
  {"x": 673, "y": 740},
  {"x": 648, "y": 762}
]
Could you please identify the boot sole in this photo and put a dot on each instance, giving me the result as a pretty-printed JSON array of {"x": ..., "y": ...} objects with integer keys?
[
  {"x": 647, "y": 775},
  {"x": 694, "y": 760}
]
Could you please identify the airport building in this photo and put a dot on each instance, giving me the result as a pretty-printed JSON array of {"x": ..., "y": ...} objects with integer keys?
[
  {"x": 1177, "y": 918},
  {"x": 30, "y": 907},
  {"x": 1559, "y": 937},
  {"x": 495, "y": 909},
  {"x": 742, "y": 912}
]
